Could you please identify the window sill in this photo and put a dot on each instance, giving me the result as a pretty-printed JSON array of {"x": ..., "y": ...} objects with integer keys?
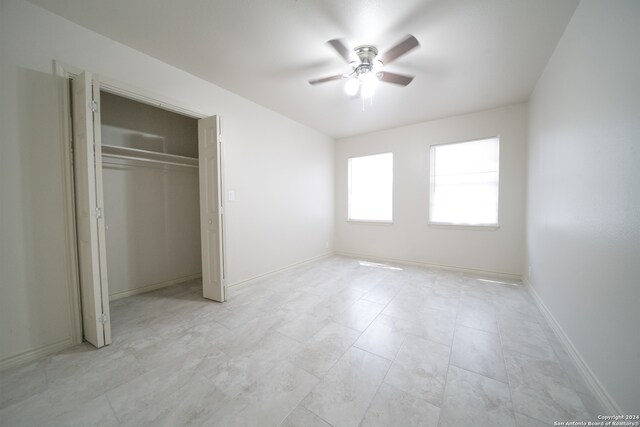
[
  {"x": 369, "y": 222},
  {"x": 451, "y": 226}
]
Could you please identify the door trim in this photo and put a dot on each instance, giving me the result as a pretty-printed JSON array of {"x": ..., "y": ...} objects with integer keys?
[
  {"x": 66, "y": 72},
  {"x": 69, "y": 208}
]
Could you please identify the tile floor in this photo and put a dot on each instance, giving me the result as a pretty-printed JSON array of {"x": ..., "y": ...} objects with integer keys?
[{"x": 338, "y": 342}]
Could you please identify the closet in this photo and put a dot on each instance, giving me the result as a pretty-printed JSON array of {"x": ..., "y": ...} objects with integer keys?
[
  {"x": 151, "y": 196},
  {"x": 147, "y": 195}
]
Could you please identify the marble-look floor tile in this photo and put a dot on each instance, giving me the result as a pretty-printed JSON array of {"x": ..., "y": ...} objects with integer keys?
[
  {"x": 268, "y": 401},
  {"x": 393, "y": 407},
  {"x": 302, "y": 327},
  {"x": 477, "y": 300},
  {"x": 383, "y": 293},
  {"x": 190, "y": 405},
  {"x": 412, "y": 301},
  {"x": 272, "y": 354},
  {"x": 472, "y": 399},
  {"x": 517, "y": 307},
  {"x": 383, "y": 337},
  {"x": 234, "y": 374},
  {"x": 304, "y": 302},
  {"x": 302, "y": 417},
  {"x": 527, "y": 370},
  {"x": 480, "y": 352},
  {"x": 236, "y": 317},
  {"x": 540, "y": 389},
  {"x": 144, "y": 392},
  {"x": 524, "y": 337},
  {"x": 21, "y": 383},
  {"x": 451, "y": 278},
  {"x": 403, "y": 306},
  {"x": 338, "y": 302},
  {"x": 364, "y": 282},
  {"x": 324, "y": 349},
  {"x": 359, "y": 315},
  {"x": 577, "y": 380},
  {"x": 248, "y": 336},
  {"x": 525, "y": 421},
  {"x": 478, "y": 318},
  {"x": 84, "y": 373},
  {"x": 592, "y": 405},
  {"x": 96, "y": 412},
  {"x": 420, "y": 369},
  {"x": 433, "y": 325},
  {"x": 194, "y": 343},
  {"x": 422, "y": 274},
  {"x": 33, "y": 411},
  {"x": 40, "y": 410},
  {"x": 549, "y": 404},
  {"x": 345, "y": 392}
]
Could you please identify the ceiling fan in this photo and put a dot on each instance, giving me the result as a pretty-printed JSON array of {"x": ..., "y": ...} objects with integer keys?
[{"x": 367, "y": 71}]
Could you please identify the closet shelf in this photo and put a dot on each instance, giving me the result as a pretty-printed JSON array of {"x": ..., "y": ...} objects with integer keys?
[{"x": 147, "y": 156}]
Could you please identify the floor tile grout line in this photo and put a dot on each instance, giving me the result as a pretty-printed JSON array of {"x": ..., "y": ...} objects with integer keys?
[
  {"x": 509, "y": 382},
  {"x": 376, "y": 393},
  {"x": 115, "y": 414},
  {"x": 446, "y": 376}
]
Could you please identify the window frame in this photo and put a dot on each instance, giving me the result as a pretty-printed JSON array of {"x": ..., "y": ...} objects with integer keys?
[
  {"x": 455, "y": 225},
  {"x": 368, "y": 221}
]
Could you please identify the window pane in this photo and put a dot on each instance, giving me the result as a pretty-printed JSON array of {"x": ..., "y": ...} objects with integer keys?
[
  {"x": 371, "y": 187},
  {"x": 465, "y": 182}
]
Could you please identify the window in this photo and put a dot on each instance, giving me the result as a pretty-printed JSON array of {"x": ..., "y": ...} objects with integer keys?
[
  {"x": 464, "y": 183},
  {"x": 371, "y": 188}
]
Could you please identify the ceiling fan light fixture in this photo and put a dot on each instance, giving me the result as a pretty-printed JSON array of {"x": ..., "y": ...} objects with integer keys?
[
  {"x": 369, "y": 85},
  {"x": 352, "y": 86}
]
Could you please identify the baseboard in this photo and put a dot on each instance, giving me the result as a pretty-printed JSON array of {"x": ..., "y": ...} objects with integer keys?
[
  {"x": 485, "y": 273},
  {"x": 153, "y": 287},
  {"x": 36, "y": 353},
  {"x": 590, "y": 378},
  {"x": 237, "y": 287}
]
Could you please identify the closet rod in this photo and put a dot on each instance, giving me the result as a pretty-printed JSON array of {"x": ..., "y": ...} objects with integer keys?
[{"x": 164, "y": 162}]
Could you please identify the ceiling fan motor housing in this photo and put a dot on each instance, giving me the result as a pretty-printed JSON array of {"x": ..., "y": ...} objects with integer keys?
[{"x": 367, "y": 55}]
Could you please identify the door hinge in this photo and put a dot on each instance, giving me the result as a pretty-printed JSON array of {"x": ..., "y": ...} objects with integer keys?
[
  {"x": 220, "y": 139},
  {"x": 98, "y": 213},
  {"x": 221, "y": 210},
  {"x": 93, "y": 105},
  {"x": 103, "y": 318}
]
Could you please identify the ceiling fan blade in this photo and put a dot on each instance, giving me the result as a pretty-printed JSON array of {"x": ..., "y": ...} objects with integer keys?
[
  {"x": 326, "y": 79},
  {"x": 400, "y": 49},
  {"x": 342, "y": 50},
  {"x": 394, "y": 78}
]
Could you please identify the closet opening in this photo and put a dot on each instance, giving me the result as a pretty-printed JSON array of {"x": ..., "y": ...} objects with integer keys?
[
  {"x": 148, "y": 211},
  {"x": 151, "y": 196}
]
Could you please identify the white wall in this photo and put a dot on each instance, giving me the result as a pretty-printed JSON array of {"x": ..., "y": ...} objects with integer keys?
[
  {"x": 281, "y": 171},
  {"x": 410, "y": 237},
  {"x": 583, "y": 230}
]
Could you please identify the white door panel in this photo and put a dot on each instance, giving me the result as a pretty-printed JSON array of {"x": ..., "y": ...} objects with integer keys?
[
  {"x": 210, "y": 209},
  {"x": 88, "y": 213},
  {"x": 102, "y": 242}
]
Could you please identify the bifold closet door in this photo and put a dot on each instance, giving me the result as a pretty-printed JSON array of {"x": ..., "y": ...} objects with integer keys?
[
  {"x": 89, "y": 208},
  {"x": 210, "y": 208}
]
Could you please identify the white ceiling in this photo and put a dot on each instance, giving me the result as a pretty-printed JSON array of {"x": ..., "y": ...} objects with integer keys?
[{"x": 474, "y": 54}]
